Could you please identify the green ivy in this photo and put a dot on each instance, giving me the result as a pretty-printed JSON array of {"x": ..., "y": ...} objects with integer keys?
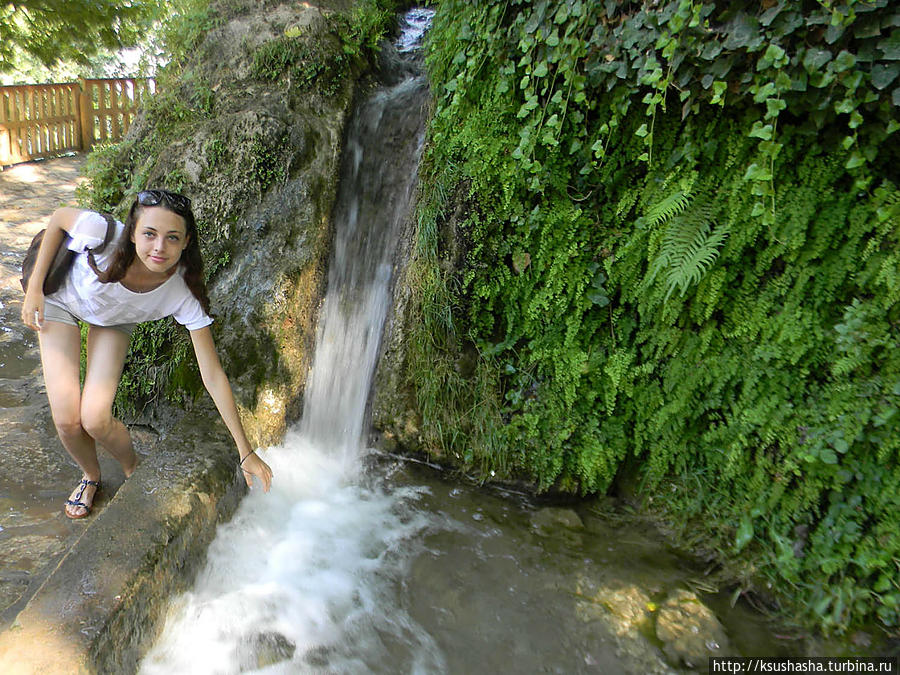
[{"x": 665, "y": 236}]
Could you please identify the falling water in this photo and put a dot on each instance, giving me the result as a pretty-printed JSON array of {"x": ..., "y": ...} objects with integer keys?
[{"x": 380, "y": 160}]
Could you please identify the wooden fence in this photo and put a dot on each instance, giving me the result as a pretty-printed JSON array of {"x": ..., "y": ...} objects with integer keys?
[{"x": 48, "y": 120}]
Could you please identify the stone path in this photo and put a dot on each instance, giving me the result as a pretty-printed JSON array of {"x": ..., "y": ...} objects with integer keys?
[{"x": 36, "y": 474}]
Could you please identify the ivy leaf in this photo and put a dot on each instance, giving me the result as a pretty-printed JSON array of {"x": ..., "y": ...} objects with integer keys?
[
  {"x": 521, "y": 260},
  {"x": 769, "y": 15},
  {"x": 844, "y": 61},
  {"x": 856, "y": 160},
  {"x": 783, "y": 81},
  {"x": 528, "y": 106},
  {"x": 814, "y": 59},
  {"x": 719, "y": 89},
  {"x": 760, "y": 131},
  {"x": 541, "y": 69},
  {"x": 774, "y": 106},
  {"x": 711, "y": 50},
  {"x": 867, "y": 27},
  {"x": 743, "y": 32},
  {"x": 772, "y": 55},
  {"x": 757, "y": 173},
  {"x": 832, "y": 33},
  {"x": 721, "y": 67},
  {"x": 764, "y": 92},
  {"x": 598, "y": 297},
  {"x": 890, "y": 46},
  {"x": 787, "y": 23},
  {"x": 846, "y": 106},
  {"x": 821, "y": 79},
  {"x": 883, "y": 74}
]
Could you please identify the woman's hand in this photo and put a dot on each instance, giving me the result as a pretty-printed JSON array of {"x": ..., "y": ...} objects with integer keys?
[
  {"x": 33, "y": 308},
  {"x": 252, "y": 465}
]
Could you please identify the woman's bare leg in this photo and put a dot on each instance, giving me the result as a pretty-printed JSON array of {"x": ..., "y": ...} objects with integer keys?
[
  {"x": 106, "y": 351},
  {"x": 61, "y": 360}
]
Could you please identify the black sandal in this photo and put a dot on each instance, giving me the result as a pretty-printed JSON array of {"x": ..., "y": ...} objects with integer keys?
[{"x": 77, "y": 501}]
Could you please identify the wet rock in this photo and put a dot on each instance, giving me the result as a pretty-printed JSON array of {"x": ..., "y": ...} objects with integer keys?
[
  {"x": 266, "y": 649},
  {"x": 624, "y": 609},
  {"x": 690, "y": 632},
  {"x": 558, "y": 525},
  {"x": 24, "y": 552},
  {"x": 550, "y": 520}
]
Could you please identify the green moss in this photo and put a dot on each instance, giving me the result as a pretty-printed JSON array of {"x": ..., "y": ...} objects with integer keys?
[
  {"x": 323, "y": 62},
  {"x": 268, "y": 163}
]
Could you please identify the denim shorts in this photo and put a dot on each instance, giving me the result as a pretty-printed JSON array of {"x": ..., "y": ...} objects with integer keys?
[{"x": 54, "y": 312}]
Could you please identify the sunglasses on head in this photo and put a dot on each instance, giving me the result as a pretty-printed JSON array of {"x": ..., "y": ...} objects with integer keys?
[{"x": 178, "y": 203}]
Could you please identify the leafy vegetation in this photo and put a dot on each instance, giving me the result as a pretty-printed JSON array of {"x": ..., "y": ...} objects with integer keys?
[
  {"x": 663, "y": 237},
  {"x": 51, "y": 31}
]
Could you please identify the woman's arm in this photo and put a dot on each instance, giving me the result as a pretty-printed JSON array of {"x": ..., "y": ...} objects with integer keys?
[
  {"x": 216, "y": 382},
  {"x": 33, "y": 306}
]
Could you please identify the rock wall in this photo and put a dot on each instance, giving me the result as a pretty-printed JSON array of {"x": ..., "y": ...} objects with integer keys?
[{"x": 252, "y": 131}]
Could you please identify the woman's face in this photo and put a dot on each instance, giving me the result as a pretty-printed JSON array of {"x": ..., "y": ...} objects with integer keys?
[{"x": 159, "y": 239}]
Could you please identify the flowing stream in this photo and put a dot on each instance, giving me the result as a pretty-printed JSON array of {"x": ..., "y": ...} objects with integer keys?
[{"x": 360, "y": 563}]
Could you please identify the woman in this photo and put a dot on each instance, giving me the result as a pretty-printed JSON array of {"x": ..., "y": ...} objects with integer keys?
[{"x": 153, "y": 270}]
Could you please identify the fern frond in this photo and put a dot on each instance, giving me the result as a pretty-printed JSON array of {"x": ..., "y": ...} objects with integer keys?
[
  {"x": 627, "y": 201},
  {"x": 671, "y": 206},
  {"x": 689, "y": 248}
]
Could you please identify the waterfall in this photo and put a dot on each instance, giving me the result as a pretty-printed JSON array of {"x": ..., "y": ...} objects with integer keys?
[
  {"x": 302, "y": 579},
  {"x": 377, "y": 179}
]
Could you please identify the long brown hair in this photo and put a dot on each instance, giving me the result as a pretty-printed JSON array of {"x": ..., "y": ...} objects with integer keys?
[{"x": 191, "y": 260}]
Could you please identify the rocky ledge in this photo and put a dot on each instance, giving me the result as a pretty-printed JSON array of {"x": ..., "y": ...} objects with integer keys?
[{"x": 104, "y": 604}]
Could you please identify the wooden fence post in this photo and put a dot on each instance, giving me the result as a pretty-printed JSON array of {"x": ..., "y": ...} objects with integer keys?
[{"x": 86, "y": 113}]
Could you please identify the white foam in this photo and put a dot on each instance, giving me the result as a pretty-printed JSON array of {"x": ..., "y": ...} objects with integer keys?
[{"x": 315, "y": 561}]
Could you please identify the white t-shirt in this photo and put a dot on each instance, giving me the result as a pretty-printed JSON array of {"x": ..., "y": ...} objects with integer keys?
[{"x": 85, "y": 296}]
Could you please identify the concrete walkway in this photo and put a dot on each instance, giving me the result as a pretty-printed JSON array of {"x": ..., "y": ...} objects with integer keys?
[{"x": 88, "y": 596}]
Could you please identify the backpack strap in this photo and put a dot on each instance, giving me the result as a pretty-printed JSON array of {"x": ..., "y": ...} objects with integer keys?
[{"x": 110, "y": 234}]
